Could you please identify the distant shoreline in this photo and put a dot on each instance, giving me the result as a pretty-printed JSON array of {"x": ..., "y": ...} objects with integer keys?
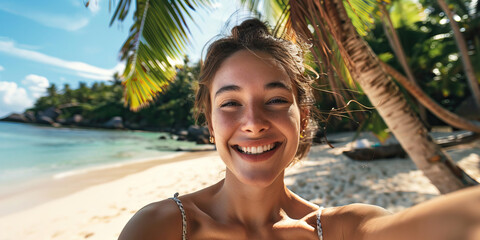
[
  {"x": 85, "y": 127},
  {"x": 192, "y": 133}
]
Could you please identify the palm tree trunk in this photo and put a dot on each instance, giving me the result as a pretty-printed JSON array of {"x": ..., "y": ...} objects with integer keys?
[
  {"x": 365, "y": 67},
  {"x": 462, "y": 46},
  {"x": 397, "y": 47},
  {"x": 442, "y": 113}
]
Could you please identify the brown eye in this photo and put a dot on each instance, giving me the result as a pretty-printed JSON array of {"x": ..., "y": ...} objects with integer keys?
[
  {"x": 229, "y": 104},
  {"x": 277, "y": 101}
]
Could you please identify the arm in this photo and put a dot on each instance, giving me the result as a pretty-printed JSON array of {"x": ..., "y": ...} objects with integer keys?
[
  {"x": 160, "y": 220},
  {"x": 452, "y": 216}
]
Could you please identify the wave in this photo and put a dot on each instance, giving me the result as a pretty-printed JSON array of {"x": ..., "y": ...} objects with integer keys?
[{"x": 112, "y": 165}]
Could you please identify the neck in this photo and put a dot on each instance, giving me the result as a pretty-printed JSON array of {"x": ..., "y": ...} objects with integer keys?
[{"x": 253, "y": 205}]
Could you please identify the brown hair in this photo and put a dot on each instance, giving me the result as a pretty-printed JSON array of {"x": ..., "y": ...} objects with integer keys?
[{"x": 254, "y": 35}]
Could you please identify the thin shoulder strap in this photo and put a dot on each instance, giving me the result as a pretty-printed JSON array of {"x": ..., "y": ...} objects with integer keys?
[
  {"x": 319, "y": 224},
  {"x": 184, "y": 218}
]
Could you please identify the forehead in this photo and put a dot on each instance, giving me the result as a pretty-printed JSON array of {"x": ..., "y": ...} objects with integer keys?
[{"x": 249, "y": 69}]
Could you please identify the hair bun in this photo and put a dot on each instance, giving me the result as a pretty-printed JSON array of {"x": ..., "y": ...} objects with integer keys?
[{"x": 249, "y": 29}]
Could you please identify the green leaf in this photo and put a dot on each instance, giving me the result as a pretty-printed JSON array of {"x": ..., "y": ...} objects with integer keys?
[
  {"x": 157, "y": 38},
  {"x": 360, "y": 12},
  {"x": 406, "y": 13}
]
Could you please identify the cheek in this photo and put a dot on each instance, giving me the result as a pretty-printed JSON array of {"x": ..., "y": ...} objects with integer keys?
[
  {"x": 293, "y": 119},
  {"x": 288, "y": 120},
  {"x": 222, "y": 123}
]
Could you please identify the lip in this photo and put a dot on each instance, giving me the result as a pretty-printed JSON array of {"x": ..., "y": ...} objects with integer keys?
[{"x": 257, "y": 157}]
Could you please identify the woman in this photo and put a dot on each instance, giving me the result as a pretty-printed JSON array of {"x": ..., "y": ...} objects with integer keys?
[{"x": 257, "y": 103}]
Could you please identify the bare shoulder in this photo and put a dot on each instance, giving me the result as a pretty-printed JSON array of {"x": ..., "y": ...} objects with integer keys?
[
  {"x": 359, "y": 211},
  {"x": 350, "y": 221},
  {"x": 159, "y": 220}
]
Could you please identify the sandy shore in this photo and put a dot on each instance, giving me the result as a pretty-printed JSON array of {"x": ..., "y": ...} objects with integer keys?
[{"x": 100, "y": 209}]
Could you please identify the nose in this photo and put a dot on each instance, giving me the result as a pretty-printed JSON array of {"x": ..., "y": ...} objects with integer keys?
[{"x": 255, "y": 120}]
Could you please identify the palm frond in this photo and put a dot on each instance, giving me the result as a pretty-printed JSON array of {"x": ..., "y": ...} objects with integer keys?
[
  {"x": 252, "y": 5},
  {"x": 158, "y": 36},
  {"x": 360, "y": 12}
]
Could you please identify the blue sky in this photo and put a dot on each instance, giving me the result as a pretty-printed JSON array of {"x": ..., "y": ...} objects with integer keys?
[{"x": 61, "y": 41}]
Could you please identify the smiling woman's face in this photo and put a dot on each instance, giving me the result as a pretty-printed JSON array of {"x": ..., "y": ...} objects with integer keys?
[{"x": 255, "y": 117}]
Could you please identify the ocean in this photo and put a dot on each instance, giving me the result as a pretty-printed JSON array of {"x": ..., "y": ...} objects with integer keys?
[{"x": 29, "y": 152}]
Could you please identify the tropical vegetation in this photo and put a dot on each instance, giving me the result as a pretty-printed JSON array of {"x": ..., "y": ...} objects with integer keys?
[{"x": 100, "y": 102}]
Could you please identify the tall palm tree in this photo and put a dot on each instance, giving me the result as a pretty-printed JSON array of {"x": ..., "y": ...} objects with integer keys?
[
  {"x": 331, "y": 18},
  {"x": 411, "y": 84},
  {"x": 448, "y": 117},
  {"x": 462, "y": 46},
  {"x": 52, "y": 90},
  {"x": 335, "y": 41}
]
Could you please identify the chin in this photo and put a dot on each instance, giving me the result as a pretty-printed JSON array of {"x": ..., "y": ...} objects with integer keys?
[{"x": 258, "y": 179}]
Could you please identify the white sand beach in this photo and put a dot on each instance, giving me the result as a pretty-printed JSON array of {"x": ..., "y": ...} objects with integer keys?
[{"x": 327, "y": 177}]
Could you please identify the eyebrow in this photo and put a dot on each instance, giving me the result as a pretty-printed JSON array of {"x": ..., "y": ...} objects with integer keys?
[
  {"x": 268, "y": 86},
  {"x": 227, "y": 88},
  {"x": 277, "y": 84}
]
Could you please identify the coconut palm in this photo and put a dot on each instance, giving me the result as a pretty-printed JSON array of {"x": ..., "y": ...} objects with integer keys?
[
  {"x": 410, "y": 83},
  {"x": 158, "y": 37},
  {"x": 462, "y": 46},
  {"x": 338, "y": 49},
  {"x": 365, "y": 68}
]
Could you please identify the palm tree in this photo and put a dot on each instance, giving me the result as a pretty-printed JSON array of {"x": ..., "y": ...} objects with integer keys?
[
  {"x": 411, "y": 84},
  {"x": 462, "y": 46},
  {"x": 158, "y": 36},
  {"x": 331, "y": 18},
  {"x": 68, "y": 93},
  {"x": 397, "y": 48},
  {"x": 335, "y": 41},
  {"x": 52, "y": 91},
  {"x": 450, "y": 118}
]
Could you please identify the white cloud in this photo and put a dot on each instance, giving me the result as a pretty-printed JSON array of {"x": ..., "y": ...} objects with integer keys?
[
  {"x": 94, "y": 76},
  {"x": 69, "y": 23},
  {"x": 216, "y": 5},
  {"x": 1, "y": 68},
  {"x": 13, "y": 98},
  {"x": 94, "y": 6},
  {"x": 37, "y": 85},
  {"x": 79, "y": 68}
]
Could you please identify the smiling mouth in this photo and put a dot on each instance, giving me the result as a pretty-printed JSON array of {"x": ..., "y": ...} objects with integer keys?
[{"x": 258, "y": 149}]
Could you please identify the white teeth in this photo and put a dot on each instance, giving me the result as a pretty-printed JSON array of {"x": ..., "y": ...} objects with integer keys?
[{"x": 256, "y": 150}]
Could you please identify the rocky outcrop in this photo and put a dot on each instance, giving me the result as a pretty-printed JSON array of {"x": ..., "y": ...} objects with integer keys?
[
  {"x": 198, "y": 134},
  {"x": 15, "y": 117},
  {"x": 45, "y": 120},
  {"x": 50, "y": 116},
  {"x": 51, "y": 112},
  {"x": 115, "y": 123},
  {"x": 76, "y": 119},
  {"x": 30, "y": 116}
]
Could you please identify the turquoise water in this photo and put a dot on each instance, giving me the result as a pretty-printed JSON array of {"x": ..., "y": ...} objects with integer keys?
[{"x": 31, "y": 151}]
